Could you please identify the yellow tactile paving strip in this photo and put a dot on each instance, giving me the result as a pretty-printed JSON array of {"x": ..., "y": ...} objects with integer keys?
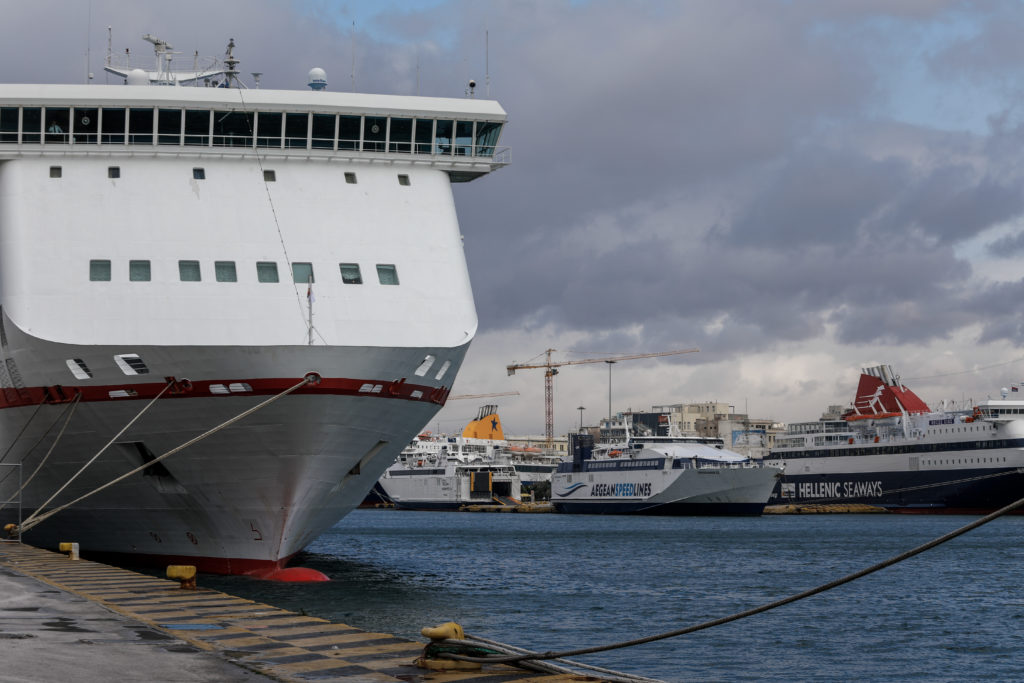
[{"x": 281, "y": 644}]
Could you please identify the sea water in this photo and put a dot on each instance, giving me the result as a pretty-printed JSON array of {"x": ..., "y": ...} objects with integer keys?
[{"x": 553, "y": 582}]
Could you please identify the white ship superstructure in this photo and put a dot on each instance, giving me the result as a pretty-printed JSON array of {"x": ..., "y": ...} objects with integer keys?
[{"x": 220, "y": 245}]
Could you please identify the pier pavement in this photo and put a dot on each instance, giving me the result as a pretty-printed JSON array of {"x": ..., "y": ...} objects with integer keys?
[{"x": 63, "y": 619}]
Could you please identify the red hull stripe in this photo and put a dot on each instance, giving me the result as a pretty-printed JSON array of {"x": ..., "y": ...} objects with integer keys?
[
  {"x": 222, "y": 388},
  {"x": 207, "y": 565}
]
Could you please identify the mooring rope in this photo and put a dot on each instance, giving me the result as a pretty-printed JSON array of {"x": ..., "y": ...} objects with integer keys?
[
  {"x": 23, "y": 428},
  {"x": 70, "y": 412},
  {"x": 31, "y": 448},
  {"x": 37, "y": 518},
  {"x": 27, "y": 523},
  {"x": 756, "y": 610}
]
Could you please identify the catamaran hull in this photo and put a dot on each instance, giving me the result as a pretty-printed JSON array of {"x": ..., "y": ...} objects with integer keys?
[{"x": 706, "y": 491}]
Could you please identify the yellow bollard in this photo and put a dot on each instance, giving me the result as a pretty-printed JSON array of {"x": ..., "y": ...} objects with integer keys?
[
  {"x": 71, "y": 549},
  {"x": 438, "y": 634},
  {"x": 185, "y": 573}
]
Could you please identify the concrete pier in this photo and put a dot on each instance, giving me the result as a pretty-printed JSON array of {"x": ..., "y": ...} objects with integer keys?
[{"x": 63, "y": 619}]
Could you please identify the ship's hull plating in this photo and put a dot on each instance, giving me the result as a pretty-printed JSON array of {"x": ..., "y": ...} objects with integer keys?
[
  {"x": 703, "y": 491},
  {"x": 243, "y": 500}
]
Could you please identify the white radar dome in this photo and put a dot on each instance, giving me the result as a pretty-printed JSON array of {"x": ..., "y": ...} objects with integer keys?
[
  {"x": 137, "y": 77},
  {"x": 317, "y": 78}
]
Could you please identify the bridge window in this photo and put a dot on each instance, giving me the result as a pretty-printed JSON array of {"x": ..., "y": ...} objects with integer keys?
[
  {"x": 31, "y": 124},
  {"x": 113, "y": 126},
  {"x": 401, "y": 135},
  {"x": 349, "y": 132},
  {"x": 85, "y": 125},
  {"x": 199, "y": 174},
  {"x": 350, "y": 178},
  {"x": 375, "y": 133},
  {"x": 403, "y": 179},
  {"x": 350, "y": 274},
  {"x": 113, "y": 171},
  {"x": 56, "y": 171},
  {"x": 487, "y": 133},
  {"x": 323, "y": 131},
  {"x": 424, "y": 135},
  {"x": 58, "y": 123},
  {"x": 269, "y": 129},
  {"x": 169, "y": 126},
  {"x": 269, "y": 176},
  {"x": 99, "y": 270},
  {"x": 464, "y": 138},
  {"x": 266, "y": 271},
  {"x": 189, "y": 271},
  {"x": 140, "y": 126},
  {"x": 8, "y": 124},
  {"x": 197, "y": 127},
  {"x": 232, "y": 128},
  {"x": 443, "y": 137},
  {"x": 296, "y": 130}
]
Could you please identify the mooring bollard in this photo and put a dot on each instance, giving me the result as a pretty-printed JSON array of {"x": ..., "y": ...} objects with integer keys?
[
  {"x": 185, "y": 573},
  {"x": 71, "y": 549}
]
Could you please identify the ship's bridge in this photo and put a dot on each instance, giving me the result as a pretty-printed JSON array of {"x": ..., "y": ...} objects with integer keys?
[{"x": 459, "y": 136}]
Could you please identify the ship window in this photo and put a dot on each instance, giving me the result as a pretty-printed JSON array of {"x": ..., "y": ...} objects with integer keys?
[
  {"x": 487, "y": 133},
  {"x": 219, "y": 389},
  {"x": 403, "y": 179},
  {"x": 99, "y": 270},
  {"x": 131, "y": 364},
  {"x": 400, "y": 135},
  {"x": 199, "y": 174},
  {"x": 239, "y": 387},
  {"x": 169, "y": 126},
  {"x": 232, "y": 128},
  {"x": 139, "y": 271},
  {"x": 84, "y": 125},
  {"x": 31, "y": 124},
  {"x": 58, "y": 123},
  {"x": 8, "y": 124},
  {"x": 268, "y": 129},
  {"x": 113, "y": 126},
  {"x": 189, "y": 271},
  {"x": 78, "y": 368},
  {"x": 296, "y": 129},
  {"x": 424, "y": 367},
  {"x": 113, "y": 171},
  {"x": 302, "y": 272},
  {"x": 197, "y": 127},
  {"x": 140, "y": 126},
  {"x": 464, "y": 138},
  {"x": 350, "y": 274},
  {"x": 443, "y": 138},
  {"x": 444, "y": 368},
  {"x": 225, "y": 271},
  {"x": 387, "y": 274},
  {"x": 266, "y": 271},
  {"x": 350, "y": 178},
  {"x": 348, "y": 132},
  {"x": 374, "y": 133},
  {"x": 323, "y": 131},
  {"x": 269, "y": 176},
  {"x": 424, "y": 134},
  {"x": 56, "y": 172}
]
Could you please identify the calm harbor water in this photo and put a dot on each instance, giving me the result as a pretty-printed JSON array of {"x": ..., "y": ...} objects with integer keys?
[{"x": 548, "y": 581}]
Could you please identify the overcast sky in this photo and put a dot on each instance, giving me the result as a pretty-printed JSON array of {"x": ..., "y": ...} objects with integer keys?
[{"x": 798, "y": 188}]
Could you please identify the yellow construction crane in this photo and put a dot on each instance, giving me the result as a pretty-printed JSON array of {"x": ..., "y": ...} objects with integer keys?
[{"x": 550, "y": 370}]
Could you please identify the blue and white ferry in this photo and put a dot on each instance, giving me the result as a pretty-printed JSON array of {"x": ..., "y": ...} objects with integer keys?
[{"x": 660, "y": 475}]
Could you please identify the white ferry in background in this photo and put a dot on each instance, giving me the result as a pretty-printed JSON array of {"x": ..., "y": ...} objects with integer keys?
[
  {"x": 891, "y": 450},
  {"x": 660, "y": 475},
  {"x": 437, "y": 472},
  {"x": 210, "y": 248}
]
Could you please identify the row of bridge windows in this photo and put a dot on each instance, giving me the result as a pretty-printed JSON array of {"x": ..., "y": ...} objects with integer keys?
[
  {"x": 217, "y": 128},
  {"x": 101, "y": 270}
]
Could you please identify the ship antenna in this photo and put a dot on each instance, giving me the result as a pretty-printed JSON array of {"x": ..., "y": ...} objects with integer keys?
[
  {"x": 487, "y": 61},
  {"x": 231, "y": 73},
  {"x": 353, "y": 55}
]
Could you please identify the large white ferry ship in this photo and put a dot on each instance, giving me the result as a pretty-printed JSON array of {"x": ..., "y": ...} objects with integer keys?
[
  {"x": 660, "y": 475},
  {"x": 889, "y": 449},
  {"x": 207, "y": 249}
]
